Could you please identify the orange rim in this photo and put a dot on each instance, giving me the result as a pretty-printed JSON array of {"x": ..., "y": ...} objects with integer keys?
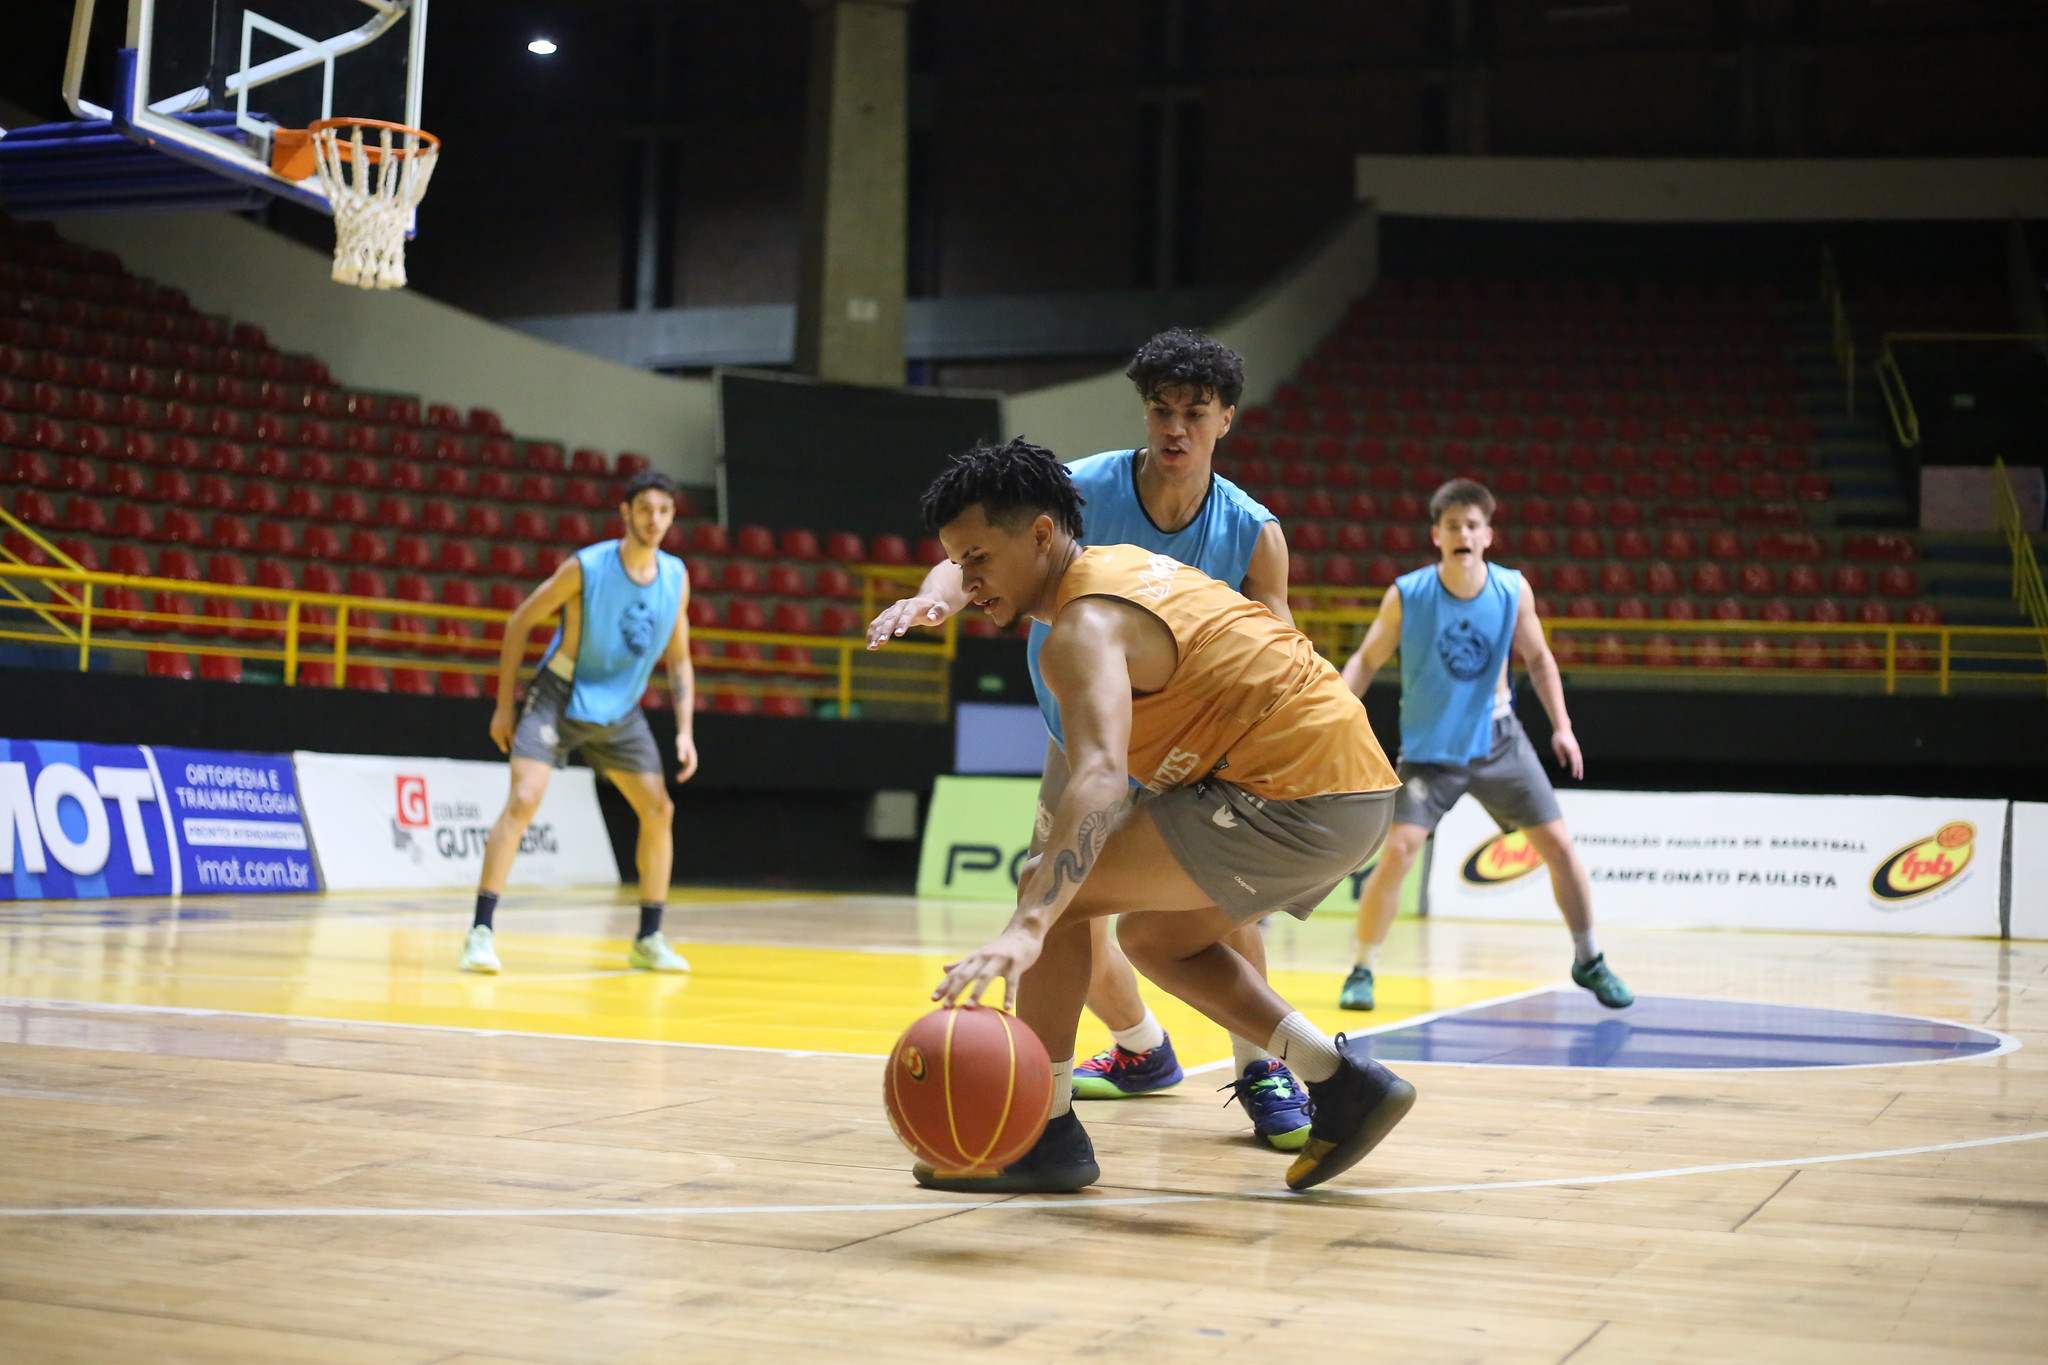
[{"x": 432, "y": 143}]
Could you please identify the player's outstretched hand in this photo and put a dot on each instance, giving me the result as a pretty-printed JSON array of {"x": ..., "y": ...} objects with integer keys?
[
  {"x": 1565, "y": 745},
  {"x": 686, "y": 757},
  {"x": 1008, "y": 956},
  {"x": 502, "y": 726},
  {"x": 895, "y": 619}
]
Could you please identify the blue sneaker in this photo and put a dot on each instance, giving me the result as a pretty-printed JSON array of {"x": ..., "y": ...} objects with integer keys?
[
  {"x": 1276, "y": 1102},
  {"x": 1118, "y": 1074}
]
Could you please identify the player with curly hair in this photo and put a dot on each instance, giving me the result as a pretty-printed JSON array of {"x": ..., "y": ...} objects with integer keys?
[{"x": 1166, "y": 497}]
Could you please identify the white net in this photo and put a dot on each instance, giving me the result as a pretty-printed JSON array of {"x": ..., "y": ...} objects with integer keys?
[{"x": 374, "y": 175}]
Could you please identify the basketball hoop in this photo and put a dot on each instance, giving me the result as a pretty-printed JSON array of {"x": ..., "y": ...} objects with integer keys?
[{"x": 373, "y": 186}]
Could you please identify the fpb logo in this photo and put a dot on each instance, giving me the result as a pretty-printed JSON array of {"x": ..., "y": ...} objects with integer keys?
[
  {"x": 1502, "y": 859},
  {"x": 913, "y": 1062},
  {"x": 1925, "y": 865},
  {"x": 412, "y": 802}
]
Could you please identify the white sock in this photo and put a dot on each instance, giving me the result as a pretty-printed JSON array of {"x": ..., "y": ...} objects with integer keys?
[
  {"x": 1584, "y": 950},
  {"x": 1142, "y": 1036},
  {"x": 1368, "y": 957},
  {"x": 1062, "y": 1087},
  {"x": 1306, "y": 1049},
  {"x": 1245, "y": 1052}
]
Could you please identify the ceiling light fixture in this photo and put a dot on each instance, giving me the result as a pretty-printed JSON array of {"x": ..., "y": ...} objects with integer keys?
[{"x": 544, "y": 47}]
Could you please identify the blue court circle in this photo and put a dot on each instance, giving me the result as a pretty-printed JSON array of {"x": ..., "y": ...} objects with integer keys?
[{"x": 1566, "y": 1027}]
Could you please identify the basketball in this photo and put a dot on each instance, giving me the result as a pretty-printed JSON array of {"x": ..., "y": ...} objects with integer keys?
[{"x": 967, "y": 1089}]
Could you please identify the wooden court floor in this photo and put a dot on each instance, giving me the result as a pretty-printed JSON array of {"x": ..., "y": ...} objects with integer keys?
[{"x": 286, "y": 1129}]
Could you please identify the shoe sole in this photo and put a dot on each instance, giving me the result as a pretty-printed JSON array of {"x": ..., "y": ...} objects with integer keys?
[
  {"x": 1036, "y": 1182},
  {"x": 480, "y": 969},
  {"x": 1361, "y": 1005},
  {"x": 1610, "y": 1004},
  {"x": 1290, "y": 1142},
  {"x": 1314, "y": 1167},
  {"x": 1094, "y": 1088}
]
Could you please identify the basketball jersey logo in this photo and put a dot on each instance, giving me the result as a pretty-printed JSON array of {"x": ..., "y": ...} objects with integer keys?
[
  {"x": 1179, "y": 766},
  {"x": 1463, "y": 650},
  {"x": 1155, "y": 580},
  {"x": 636, "y": 628}
]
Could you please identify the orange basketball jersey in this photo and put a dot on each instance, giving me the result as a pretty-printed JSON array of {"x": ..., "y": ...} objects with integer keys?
[{"x": 1250, "y": 701}]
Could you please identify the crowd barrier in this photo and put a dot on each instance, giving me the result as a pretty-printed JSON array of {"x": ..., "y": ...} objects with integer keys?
[{"x": 88, "y": 821}]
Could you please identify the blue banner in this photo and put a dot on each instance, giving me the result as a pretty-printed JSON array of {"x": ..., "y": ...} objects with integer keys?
[{"x": 82, "y": 821}]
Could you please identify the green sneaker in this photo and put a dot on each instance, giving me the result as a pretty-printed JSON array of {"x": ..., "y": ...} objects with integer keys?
[
  {"x": 1607, "y": 988},
  {"x": 652, "y": 954},
  {"x": 1357, "y": 992}
]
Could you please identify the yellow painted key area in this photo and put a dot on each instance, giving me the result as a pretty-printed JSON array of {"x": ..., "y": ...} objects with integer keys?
[{"x": 764, "y": 976}]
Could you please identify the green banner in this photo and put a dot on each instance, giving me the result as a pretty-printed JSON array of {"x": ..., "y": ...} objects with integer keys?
[{"x": 979, "y": 829}]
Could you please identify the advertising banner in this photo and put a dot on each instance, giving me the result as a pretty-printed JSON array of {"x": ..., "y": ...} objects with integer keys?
[
  {"x": 978, "y": 832},
  {"x": 1843, "y": 864},
  {"x": 390, "y": 824},
  {"x": 2030, "y": 869},
  {"x": 83, "y": 821}
]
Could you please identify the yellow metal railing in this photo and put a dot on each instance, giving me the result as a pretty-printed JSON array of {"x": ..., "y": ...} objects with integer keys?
[
  {"x": 1717, "y": 649},
  {"x": 337, "y": 632},
  {"x": 1891, "y": 383},
  {"x": 1843, "y": 336},
  {"x": 2027, "y": 587}
]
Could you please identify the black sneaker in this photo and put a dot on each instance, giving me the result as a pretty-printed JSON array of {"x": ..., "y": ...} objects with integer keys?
[
  {"x": 1353, "y": 1111},
  {"x": 1060, "y": 1162},
  {"x": 1597, "y": 977}
]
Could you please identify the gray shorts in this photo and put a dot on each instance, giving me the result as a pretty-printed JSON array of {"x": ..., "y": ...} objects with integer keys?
[
  {"x": 1509, "y": 782},
  {"x": 1253, "y": 856},
  {"x": 546, "y": 733}
]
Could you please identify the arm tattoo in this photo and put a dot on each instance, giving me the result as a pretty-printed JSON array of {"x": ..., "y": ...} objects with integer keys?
[{"x": 1073, "y": 864}]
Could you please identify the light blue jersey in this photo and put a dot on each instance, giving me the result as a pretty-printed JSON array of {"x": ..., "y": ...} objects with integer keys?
[
  {"x": 1219, "y": 540},
  {"x": 1452, "y": 651},
  {"x": 626, "y": 627}
]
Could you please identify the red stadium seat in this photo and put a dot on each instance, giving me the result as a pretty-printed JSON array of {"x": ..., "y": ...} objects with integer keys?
[
  {"x": 786, "y": 580},
  {"x": 744, "y": 613},
  {"x": 1897, "y": 581},
  {"x": 709, "y": 538},
  {"x": 1309, "y": 537},
  {"x": 479, "y": 519},
  {"x": 1585, "y": 544},
  {"x": 1399, "y": 540},
  {"x": 530, "y": 526},
  {"x": 1728, "y": 609},
  {"x": 1709, "y": 580},
  {"x": 1617, "y": 578},
  {"x": 756, "y": 542},
  {"x": 1382, "y": 572},
  {"x": 792, "y": 618},
  {"x": 1851, "y": 580},
  {"x": 930, "y": 551},
  {"x": 367, "y": 547},
  {"x": 836, "y": 620},
  {"x": 1827, "y": 611},
  {"x": 890, "y": 549},
  {"x": 845, "y": 546},
  {"x": 1756, "y": 580},
  {"x": 508, "y": 560},
  {"x": 1776, "y": 610},
  {"x": 834, "y": 581},
  {"x": 740, "y": 576}
]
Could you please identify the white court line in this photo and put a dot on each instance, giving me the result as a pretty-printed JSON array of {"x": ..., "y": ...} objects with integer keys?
[
  {"x": 1025, "y": 1202},
  {"x": 1392, "y": 1024}
]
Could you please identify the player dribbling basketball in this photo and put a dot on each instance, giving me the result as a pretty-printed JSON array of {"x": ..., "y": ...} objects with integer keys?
[{"x": 1264, "y": 788}]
